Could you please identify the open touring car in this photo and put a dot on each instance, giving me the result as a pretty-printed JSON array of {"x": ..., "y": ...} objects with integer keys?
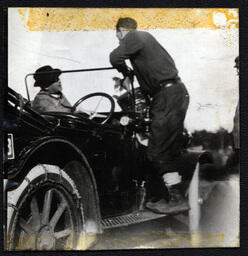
[{"x": 70, "y": 176}]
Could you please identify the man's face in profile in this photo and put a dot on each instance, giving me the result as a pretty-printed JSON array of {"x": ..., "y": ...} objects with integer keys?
[{"x": 119, "y": 34}]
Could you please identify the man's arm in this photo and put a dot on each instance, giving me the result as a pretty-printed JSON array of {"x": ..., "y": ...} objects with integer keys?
[{"x": 128, "y": 47}]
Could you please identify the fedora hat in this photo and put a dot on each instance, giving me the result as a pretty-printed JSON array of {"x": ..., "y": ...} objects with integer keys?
[{"x": 43, "y": 78}]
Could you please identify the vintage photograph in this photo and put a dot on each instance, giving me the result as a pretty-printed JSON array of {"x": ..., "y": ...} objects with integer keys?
[{"x": 121, "y": 129}]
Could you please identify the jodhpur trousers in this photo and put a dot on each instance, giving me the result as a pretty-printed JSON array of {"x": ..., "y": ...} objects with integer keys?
[{"x": 168, "y": 110}]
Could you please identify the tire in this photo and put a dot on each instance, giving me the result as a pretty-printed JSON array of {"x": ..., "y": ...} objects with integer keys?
[{"x": 45, "y": 212}]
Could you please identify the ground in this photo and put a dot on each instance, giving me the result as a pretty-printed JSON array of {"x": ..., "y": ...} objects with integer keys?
[{"x": 219, "y": 225}]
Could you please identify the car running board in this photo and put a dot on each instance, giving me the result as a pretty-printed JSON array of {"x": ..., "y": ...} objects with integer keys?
[{"x": 129, "y": 219}]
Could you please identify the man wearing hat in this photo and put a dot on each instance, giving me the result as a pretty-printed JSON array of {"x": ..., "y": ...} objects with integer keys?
[
  {"x": 158, "y": 79},
  {"x": 234, "y": 160},
  {"x": 236, "y": 117},
  {"x": 50, "y": 98}
]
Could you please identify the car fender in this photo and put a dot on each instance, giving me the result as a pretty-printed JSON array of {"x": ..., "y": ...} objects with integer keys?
[{"x": 37, "y": 151}]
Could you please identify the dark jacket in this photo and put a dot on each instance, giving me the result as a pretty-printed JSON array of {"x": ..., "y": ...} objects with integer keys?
[
  {"x": 236, "y": 128},
  {"x": 45, "y": 102},
  {"x": 151, "y": 62}
]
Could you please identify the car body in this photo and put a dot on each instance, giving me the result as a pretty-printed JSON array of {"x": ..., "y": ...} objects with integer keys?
[
  {"x": 70, "y": 176},
  {"x": 84, "y": 174}
]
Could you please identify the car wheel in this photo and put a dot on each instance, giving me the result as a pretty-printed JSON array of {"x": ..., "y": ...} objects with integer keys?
[{"x": 44, "y": 212}]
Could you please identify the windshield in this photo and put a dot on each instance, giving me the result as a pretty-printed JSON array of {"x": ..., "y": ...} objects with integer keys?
[{"x": 79, "y": 83}]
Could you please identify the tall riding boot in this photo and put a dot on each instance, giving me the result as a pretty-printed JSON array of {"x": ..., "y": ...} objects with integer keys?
[{"x": 176, "y": 204}]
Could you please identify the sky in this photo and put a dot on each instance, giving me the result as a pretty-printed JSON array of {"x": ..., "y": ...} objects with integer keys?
[{"x": 203, "y": 43}]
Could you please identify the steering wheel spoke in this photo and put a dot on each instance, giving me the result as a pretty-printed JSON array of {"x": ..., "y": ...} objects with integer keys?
[{"x": 94, "y": 113}]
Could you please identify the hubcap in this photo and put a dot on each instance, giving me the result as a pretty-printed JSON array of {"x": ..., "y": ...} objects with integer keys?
[
  {"x": 45, "y": 239},
  {"x": 50, "y": 222}
]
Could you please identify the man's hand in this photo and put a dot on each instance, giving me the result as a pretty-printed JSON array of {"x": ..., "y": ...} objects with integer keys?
[
  {"x": 121, "y": 84},
  {"x": 126, "y": 83}
]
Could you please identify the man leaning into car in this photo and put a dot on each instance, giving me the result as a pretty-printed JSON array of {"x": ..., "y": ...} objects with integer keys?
[{"x": 158, "y": 79}]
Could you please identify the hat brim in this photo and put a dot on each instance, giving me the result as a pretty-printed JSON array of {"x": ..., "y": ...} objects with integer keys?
[{"x": 52, "y": 76}]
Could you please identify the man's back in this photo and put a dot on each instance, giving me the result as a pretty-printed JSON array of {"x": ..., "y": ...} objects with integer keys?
[{"x": 151, "y": 62}]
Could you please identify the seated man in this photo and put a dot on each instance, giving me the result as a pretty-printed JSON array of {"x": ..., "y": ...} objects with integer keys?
[{"x": 50, "y": 98}]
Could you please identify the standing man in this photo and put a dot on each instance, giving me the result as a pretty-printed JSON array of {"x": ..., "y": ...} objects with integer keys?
[
  {"x": 236, "y": 117},
  {"x": 158, "y": 79},
  {"x": 234, "y": 159},
  {"x": 236, "y": 128}
]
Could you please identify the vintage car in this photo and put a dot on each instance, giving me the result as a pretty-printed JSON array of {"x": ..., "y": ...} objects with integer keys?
[{"x": 70, "y": 176}]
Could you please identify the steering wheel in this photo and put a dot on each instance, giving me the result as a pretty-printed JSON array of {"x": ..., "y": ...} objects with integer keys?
[{"x": 94, "y": 113}]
